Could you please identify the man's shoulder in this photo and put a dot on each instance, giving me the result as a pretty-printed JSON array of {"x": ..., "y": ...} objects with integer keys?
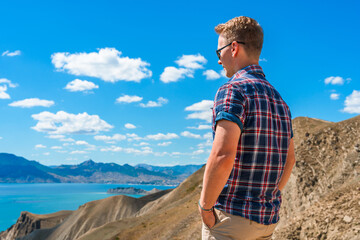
[
  {"x": 235, "y": 83},
  {"x": 230, "y": 87}
]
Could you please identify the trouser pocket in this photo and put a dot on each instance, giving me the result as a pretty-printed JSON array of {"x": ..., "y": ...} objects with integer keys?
[{"x": 220, "y": 219}]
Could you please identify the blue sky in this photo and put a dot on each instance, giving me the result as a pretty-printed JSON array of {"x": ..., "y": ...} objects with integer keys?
[{"x": 132, "y": 82}]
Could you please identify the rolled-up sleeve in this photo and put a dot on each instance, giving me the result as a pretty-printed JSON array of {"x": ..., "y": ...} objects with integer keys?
[{"x": 230, "y": 104}]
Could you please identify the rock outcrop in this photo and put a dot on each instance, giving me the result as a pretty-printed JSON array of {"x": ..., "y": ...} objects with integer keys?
[
  {"x": 324, "y": 188},
  {"x": 29, "y": 222}
]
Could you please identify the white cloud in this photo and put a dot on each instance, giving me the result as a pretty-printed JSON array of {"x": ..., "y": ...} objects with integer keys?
[
  {"x": 173, "y": 74},
  {"x": 133, "y": 136},
  {"x": 191, "y": 61},
  {"x": 46, "y": 153},
  {"x": 187, "y": 63},
  {"x": 8, "y": 82},
  {"x": 334, "y": 96},
  {"x": 56, "y": 136},
  {"x": 263, "y": 60},
  {"x": 11, "y": 54},
  {"x": 211, "y": 75},
  {"x": 198, "y": 152},
  {"x": 3, "y": 94},
  {"x": 78, "y": 85},
  {"x": 90, "y": 148},
  {"x": 81, "y": 142},
  {"x": 159, "y": 103},
  {"x": 161, "y": 136},
  {"x": 147, "y": 148},
  {"x": 352, "y": 103},
  {"x": 107, "y": 64},
  {"x": 222, "y": 73},
  {"x": 78, "y": 152},
  {"x": 201, "y": 127},
  {"x": 3, "y": 88},
  {"x": 176, "y": 153},
  {"x": 67, "y": 123},
  {"x": 111, "y": 149},
  {"x": 204, "y": 105},
  {"x": 143, "y": 151},
  {"x": 164, "y": 144},
  {"x": 190, "y": 135},
  {"x": 37, "y": 146},
  {"x": 205, "y": 115},
  {"x": 208, "y": 136},
  {"x": 208, "y": 143},
  {"x": 334, "y": 80},
  {"x": 128, "y": 99},
  {"x": 56, "y": 147},
  {"x": 130, "y": 126},
  {"x": 1, "y": 138},
  {"x": 202, "y": 110},
  {"x": 62, "y": 151},
  {"x": 142, "y": 144},
  {"x": 209, "y": 140},
  {"x": 115, "y": 137},
  {"x": 32, "y": 102},
  {"x": 161, "y": 154},
  {"x": 137, "y": 151},
  {"x": 67, "y": 140}
]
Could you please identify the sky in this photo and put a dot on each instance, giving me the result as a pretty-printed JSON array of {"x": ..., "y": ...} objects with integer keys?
[{"x": 133, "y": 81}]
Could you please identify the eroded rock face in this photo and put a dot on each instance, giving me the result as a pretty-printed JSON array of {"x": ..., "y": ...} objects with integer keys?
[
  {"x": 28, "y": 222},
  {"x": 325, "y": 185}
]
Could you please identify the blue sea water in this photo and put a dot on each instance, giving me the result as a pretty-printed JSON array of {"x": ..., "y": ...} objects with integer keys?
[{"x": 44, "y": 198}]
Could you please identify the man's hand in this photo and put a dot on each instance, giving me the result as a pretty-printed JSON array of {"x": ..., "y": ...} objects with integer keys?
[{"x": 208, "y": 217}]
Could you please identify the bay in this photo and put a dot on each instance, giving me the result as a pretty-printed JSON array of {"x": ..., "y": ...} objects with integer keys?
[{"x": 44, "y": 198}]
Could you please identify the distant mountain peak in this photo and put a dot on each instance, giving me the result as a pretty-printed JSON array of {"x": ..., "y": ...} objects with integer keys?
[{"x": 88, "y": 163}]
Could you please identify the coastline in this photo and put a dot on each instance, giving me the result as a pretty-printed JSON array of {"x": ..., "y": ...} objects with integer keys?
[{"x": 44, "y": 198}]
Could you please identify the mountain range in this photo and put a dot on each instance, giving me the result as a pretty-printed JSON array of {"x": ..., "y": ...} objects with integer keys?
[
  {"x": 320, "y": 201},
  {"x": 15, "y": 169}
]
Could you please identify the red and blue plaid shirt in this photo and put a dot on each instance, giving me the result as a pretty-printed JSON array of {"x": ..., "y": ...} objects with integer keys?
[{"x": 264, "y": 118}]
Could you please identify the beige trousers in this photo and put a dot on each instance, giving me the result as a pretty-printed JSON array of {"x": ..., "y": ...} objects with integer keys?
[{"x": 229, "y": 226}]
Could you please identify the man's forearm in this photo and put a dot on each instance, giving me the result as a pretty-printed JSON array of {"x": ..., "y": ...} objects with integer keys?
[
  {"x": 286, "y": 174},
  {"x": 217, "y": 171},
  {"x": 220, "y": 162},
  {"x": 290, "y": 162}
]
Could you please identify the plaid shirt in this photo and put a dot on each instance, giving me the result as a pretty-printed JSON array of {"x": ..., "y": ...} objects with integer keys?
[{"x": 264, "y": 118}]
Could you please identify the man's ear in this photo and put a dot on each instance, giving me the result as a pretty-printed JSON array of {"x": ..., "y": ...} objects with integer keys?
[{"x": 234, "y": 49}]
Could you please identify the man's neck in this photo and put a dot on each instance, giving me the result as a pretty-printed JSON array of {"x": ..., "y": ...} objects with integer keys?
[{"x": 245, "y": 64}]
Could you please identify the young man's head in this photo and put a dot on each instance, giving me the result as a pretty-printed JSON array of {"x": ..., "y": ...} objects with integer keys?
[{"x": 240, "y": 41}]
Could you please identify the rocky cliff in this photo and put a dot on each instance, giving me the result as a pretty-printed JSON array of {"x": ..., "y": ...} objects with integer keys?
[{"x": 321, "y": 200}]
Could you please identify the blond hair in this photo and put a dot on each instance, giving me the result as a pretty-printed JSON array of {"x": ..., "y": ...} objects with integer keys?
[{"x": 243, "y": 29}]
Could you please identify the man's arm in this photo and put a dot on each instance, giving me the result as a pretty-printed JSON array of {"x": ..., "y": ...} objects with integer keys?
[
  {"x": 290, "y": 161},
  {"x": 219, "y": 166}
]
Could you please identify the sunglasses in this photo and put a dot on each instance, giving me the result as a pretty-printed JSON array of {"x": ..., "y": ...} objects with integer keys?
[{"x": 218, "y": 52}]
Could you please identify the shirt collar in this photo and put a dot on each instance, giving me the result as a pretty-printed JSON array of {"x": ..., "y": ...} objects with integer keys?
[{"x": 250, "y": 69}]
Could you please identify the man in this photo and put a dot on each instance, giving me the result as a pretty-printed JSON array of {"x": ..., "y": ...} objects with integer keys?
[{"x": 253, "y": 151}]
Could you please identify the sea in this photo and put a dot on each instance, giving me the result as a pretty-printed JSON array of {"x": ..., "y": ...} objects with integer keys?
[{"x": 44, "y": 198}]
